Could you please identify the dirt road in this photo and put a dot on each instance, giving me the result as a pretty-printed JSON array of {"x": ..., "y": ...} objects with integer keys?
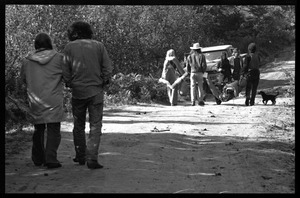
[{"x": 227, "y": 148}]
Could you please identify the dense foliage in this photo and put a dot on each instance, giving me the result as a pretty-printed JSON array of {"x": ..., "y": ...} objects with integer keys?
[{"x": 137, "y": 38}]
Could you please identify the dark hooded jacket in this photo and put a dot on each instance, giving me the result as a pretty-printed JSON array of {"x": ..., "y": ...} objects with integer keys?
[{"x": 42, "y": 72}]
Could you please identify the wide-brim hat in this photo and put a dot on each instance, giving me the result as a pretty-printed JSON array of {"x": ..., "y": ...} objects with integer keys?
[{"x": 196, "y": 46}]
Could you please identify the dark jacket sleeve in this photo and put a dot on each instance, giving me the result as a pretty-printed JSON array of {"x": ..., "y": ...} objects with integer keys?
[
  {"x": 106, "y": 65},
  {"x": 241, "y": 63},
  {"x": 219, "y": 64},
  {"x": 228, "y": 66},
  {"x": 67, "y": 67},
  {"x": 245, "y": 66}
]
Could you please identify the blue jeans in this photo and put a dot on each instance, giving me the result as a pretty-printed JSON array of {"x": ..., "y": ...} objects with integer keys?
[
  {"x": 252, "y": 84},
  {"x": 87, "y": 150}
]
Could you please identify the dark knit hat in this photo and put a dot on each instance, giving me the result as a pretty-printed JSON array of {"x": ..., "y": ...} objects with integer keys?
[{"x": 252, "y": 47}]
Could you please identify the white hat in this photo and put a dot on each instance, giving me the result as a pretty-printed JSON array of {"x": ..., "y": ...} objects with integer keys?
[{"x": 196, "y": 46}]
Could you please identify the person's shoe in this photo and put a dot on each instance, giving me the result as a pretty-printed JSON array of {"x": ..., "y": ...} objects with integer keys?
[
  {"x": 93, "y": 164},
  {"x": 81, "y": 161},
  {"x": 247, "y": 102},
  {"x": 38, "y": 164},
  {"x": 193, "y": 103},
  {"x": 251, "y": 103},
  {"x": 201, "y": 103},
  {"x": 53, "y": 165},
  {"x": 218, "y": 101}
]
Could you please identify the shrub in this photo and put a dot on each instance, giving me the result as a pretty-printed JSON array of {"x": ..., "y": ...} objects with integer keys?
[{"x": 133, "y": 88}]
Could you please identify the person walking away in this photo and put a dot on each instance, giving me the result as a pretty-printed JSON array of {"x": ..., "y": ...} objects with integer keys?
[
  {"x": 87, "y": 70},
  {"x": 41, "y": 72},
  {"x": 251, "y": 68},
  {"x": 225, "y": 68},
  {"x": 237, "y": 65},
  {"x": 171, "y": 65},
  {"x": 197, "y": 63}
]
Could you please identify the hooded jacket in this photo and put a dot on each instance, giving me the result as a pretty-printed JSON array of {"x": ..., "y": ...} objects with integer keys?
[{"x": 42, "y": 72}]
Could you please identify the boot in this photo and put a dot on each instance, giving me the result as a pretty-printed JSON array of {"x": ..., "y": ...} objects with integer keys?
[
  {"x": 247, "y": 102},
  {"x": 80, "y": 161},
  {"x": 93, "y": 164},
  {"x": 201, "y": 103}
]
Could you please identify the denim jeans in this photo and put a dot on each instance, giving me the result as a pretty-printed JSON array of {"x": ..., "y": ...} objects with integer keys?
[
  {"x": 252, "y": 84},
  {"x": 40, "y": 154},
  {"x": 87, "y": 149},
  {"x": 197, "y": 78}
]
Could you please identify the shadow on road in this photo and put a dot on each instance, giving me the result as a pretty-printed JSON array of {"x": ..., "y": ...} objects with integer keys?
[{"x": 162, "y": 163}]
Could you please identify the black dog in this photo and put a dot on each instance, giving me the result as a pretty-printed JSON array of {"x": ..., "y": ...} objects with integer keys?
[{"x": 267, "y": 97}]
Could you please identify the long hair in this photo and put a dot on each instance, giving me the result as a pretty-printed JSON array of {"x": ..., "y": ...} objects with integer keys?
[
  {"x": 43, "y": 40},
  {"x": 80, "y": 30},
  {"x": 252, "y": 48},
  {"x": 237, "y": 51},
  {"x": 170, "y": 54},
  {"x": 223, "y": 56}
]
